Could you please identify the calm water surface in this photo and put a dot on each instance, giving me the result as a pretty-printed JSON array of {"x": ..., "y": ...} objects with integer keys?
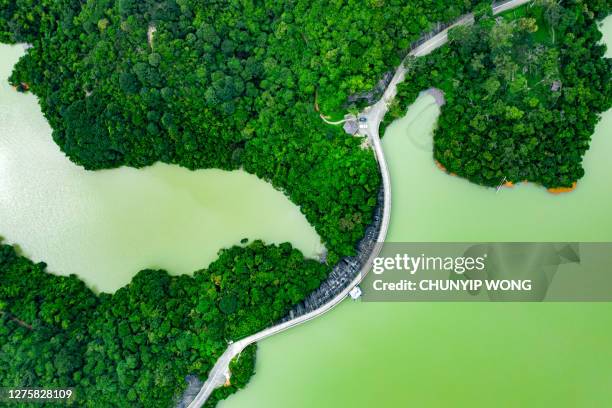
[
  {"x": 107, "y": 225},
  {"x": 365, "y": 355}
]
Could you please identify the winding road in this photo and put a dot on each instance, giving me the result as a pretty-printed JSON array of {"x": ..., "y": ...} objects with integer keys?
[{"x": 374, "y": 114}]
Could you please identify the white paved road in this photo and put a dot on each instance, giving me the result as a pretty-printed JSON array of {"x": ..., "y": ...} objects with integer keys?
[{"x": 375, "y": 114}]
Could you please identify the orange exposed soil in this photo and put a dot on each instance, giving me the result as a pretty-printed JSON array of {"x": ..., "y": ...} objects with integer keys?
[
  {"x": 441, "y": 167},
  {"x": 24, "y": 87},
  {"x": 509, "y": 184},
  {"x": 559, "y": 190}
]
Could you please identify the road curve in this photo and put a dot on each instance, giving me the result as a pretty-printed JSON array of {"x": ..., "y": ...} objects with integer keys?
[{"x": 220, "y": 373}]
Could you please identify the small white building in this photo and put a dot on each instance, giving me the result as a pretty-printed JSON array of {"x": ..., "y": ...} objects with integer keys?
[{"x": 355, "y": 293}]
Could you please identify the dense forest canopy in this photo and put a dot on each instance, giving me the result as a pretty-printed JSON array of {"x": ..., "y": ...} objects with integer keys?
[
  {"x": 524, "y": 92},
  {"x": 224, "y": 84},
  {"x": 233, "y": 84},
  {"x": 135, "y": 347}
]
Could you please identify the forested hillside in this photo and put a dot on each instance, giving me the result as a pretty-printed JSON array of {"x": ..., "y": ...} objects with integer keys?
[
  {"x": 523, "y": 91},
  {"x": 225, "y": 84},
  {"x": 135, "y": 347},
  {"x": 201, "y": 84}
]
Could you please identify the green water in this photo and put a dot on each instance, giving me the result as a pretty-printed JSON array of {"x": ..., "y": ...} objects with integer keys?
[
  {"x": 107, "y": 225},
  {"x": 429, "y": 205},
  {"x": 456, "y": 354}
]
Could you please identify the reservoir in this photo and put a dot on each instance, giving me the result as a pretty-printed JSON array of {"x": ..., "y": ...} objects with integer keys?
[
  {"x": 432, "y": 355},
  {"x": 105, "y": 226}
]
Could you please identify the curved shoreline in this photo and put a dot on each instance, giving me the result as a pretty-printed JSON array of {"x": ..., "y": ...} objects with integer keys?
[
  {"x": 510, "y": 184},
  {"x": 374, "y": 115}
]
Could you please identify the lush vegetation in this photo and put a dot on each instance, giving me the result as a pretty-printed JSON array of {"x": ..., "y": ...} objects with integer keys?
[
  {"x": 523, "y": 93},
  {"x": 134, "y": 347},
  {"x": 224, "y": 84},
  {"x": 242, "y": 367}
]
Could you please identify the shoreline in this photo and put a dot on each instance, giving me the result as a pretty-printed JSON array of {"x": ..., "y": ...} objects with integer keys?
[{"x": 510, "y": 184}]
